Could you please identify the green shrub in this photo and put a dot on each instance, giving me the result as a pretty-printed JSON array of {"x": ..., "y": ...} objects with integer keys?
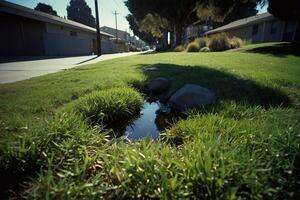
[
  {"x": 236, "y": 42},
  {"x": 193, "y": 47},
  {"x": 180, "y": 48},
  {"x": 110, "y": 105},
  {"x": 219, "y": 42},
  {"x": 202, "y": 41}
]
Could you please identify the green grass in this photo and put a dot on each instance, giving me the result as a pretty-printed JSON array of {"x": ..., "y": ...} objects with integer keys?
[
  {"x": 108, "y": 106},
  {"x": 246, "y": 146}
]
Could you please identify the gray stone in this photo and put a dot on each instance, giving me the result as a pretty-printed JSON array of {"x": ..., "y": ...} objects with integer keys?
[
  {"x": 205, "y": 49},
  {"x": 192, "y": 96},
  {"x": 159, "y": 85},
  {"x": 149, "y": 68}
]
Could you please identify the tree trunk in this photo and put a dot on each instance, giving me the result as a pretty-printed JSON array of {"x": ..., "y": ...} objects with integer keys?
[
  {"x": 296, "y": 37},
  {"x": 172, "y": 38},
  {"x": 178, "y": 33}
]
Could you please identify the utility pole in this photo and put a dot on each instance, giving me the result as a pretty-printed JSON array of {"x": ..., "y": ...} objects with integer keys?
[
  {"x": 115, "y": 13},
  {"x": 98, "y": 29}
]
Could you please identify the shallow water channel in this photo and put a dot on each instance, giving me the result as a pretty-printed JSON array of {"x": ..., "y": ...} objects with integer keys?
[
  {"x": 153, "y": 118},
  {"x": 145, "y": 125}
]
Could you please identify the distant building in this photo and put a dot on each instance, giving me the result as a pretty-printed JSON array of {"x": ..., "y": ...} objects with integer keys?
[
  {"x": 27, "y": 32},
  {"x": 260, "y": 28},
  {"x": 195, "y": 30},
  {"x": 123, "y": 35}
]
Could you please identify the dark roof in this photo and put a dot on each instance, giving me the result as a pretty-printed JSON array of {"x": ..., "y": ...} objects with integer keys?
[
  {"x": 15, "y": 9},
  {"x": 243, "y": 22}
]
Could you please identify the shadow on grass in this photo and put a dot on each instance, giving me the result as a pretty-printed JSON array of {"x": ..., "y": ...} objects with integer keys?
[
  {"x": 227, "y": 86},
  {"x": 281, "y": 50}
]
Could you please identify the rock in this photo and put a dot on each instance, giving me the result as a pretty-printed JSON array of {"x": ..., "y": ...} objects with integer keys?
[
  {"x": 149, "y": 68},
  {"x": 192, "y": 96},
  {"x": 159, "y": 85},
  {"x": 204, "y": 49}
]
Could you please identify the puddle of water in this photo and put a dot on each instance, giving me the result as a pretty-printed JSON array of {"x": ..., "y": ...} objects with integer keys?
[{"x": 153, "y": 119}]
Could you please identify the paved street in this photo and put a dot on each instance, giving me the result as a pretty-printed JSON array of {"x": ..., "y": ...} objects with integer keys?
[{"x": 17, "y": 71}]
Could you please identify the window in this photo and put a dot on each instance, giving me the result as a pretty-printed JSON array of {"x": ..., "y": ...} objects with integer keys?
[
  {"x": 73, "y": 33},
  {"x": 273, "y": 28},
  {"x": 255, "y": 29}
]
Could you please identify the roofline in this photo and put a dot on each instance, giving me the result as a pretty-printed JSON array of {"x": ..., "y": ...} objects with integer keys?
[
  {"x": 19, "y": 10},
  {"x": 221, "y": 29}
]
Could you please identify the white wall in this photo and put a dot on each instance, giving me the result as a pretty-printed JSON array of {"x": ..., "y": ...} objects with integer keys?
[
  {"x": 59, "y": 42},
  {"x": 264, "y": 32}
]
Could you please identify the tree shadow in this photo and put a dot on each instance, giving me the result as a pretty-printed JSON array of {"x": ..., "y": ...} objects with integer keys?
[
  {"x": 226, "y": 86},
  {"x": 281, "y": 49}
]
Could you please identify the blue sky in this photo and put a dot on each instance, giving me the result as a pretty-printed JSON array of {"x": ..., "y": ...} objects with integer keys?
[{"x": 106, "y": 9}]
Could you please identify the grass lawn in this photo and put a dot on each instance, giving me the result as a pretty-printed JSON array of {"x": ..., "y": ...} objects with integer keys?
[{"x": 246, "y": 146}]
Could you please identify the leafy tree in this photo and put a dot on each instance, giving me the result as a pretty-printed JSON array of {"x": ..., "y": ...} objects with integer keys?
[
  {"x": 79, "y": 11},
  {"x": 241, "y": 10},
  {"x": 146, "y": 37},
  {"x": 175, "y": 12},
  {"x": 285, "y": 9},
  {"x": 181, "y": 13},
  {"x": 45, "y": 8},
  {"x": 154, "y": 24}
]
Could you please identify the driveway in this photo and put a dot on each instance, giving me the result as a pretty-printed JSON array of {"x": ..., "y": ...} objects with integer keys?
[{"x": 21, "y": 70}]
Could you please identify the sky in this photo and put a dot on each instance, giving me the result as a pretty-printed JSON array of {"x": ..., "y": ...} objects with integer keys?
[{"x": 106, "y": 9}]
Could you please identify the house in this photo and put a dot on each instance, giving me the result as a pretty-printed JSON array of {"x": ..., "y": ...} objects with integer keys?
[
  {"x": 260, "y": 28},
  {"x": 27, "y": 32},
  {"x": 195, "y": 30},
  {"x": 123, "y": 36}
]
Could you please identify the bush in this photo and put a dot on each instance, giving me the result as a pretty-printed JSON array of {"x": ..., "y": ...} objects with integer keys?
[
  {"x": 180, "y": 48},
  {"x": 236, "y": 42},
  {"x": 193, "y": 47},
  {"x": 246, "y": 42},
  {"x": 203, "y": 42},
  {"x": 219, "y": 42},
  {"x": 109, "y": 105}
]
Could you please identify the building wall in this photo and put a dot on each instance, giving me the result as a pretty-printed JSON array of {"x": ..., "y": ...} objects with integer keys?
[
  {"x": 20, "y": 36},
  {"x": 268, "y": 31},
  {"x": 278, "y": 29},
  {"x": 245, "y": 33},
  {"x": 64, "y": 41}
]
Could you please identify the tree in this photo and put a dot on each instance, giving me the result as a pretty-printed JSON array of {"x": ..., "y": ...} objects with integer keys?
[
  {"x": 241, "y": 10},
  {"x": 79, "y": 11},
  {"x": 285, "y": 9},
  {"x": 181, "y": 13},
  {"x": 45, "y": 8},
  {"x": 176, "y": 12},
  {"x": 146, "y": 37}
]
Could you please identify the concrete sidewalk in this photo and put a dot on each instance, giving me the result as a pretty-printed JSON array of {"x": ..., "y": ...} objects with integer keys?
[{"x": 21, "y": 70}]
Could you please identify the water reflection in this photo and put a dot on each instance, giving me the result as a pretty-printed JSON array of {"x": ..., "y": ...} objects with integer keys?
[{"x": 144, "y": 126}]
